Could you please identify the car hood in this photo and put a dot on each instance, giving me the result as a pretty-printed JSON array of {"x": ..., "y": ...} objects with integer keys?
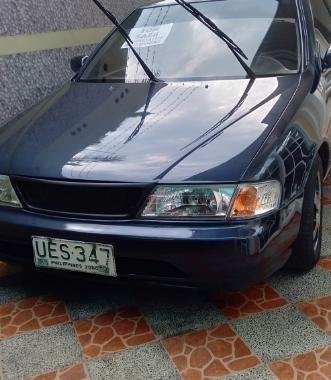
[{"x": 145, "y": 132}]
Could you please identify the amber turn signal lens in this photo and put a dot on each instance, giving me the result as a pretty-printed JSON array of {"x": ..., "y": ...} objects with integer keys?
[
  {"x": 256, "y": 199},
  {"x": 246, "y": 202}
]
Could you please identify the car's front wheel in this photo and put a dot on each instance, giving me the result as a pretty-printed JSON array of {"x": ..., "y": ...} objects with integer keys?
[{"x": 306, "y": 250}]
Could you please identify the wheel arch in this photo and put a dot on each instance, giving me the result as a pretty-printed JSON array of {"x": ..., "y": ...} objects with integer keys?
[{"x": 324, "y": 153}]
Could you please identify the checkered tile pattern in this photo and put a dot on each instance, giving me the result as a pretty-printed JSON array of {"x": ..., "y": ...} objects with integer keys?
[
  {"x": 112, "y": 331},
  {"x": 56, "y": 329}
]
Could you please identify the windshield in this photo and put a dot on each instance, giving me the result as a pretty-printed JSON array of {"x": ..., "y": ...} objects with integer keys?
[{"x": 176, "y": 46}]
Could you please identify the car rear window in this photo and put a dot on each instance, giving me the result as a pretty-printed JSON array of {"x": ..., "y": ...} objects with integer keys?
[{"x": 176, "y": 46}]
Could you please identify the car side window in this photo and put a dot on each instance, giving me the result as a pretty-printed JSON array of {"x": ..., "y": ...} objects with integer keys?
[{"x": 322, "y": 20}]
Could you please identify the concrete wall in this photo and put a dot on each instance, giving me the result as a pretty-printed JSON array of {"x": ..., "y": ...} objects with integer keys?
[{"x": 34, "y": 56}]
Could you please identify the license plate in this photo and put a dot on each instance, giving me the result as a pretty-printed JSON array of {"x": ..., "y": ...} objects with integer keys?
[{"x": 75, "y": 256}]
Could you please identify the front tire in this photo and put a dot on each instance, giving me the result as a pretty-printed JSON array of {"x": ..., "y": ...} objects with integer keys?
[{"x": 306, "y": 250}]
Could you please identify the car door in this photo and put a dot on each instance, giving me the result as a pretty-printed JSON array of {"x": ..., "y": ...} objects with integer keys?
[{"x": 322, "y": 22}]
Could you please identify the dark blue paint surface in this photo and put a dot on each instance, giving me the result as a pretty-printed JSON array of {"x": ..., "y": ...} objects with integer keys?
[
  {"x": 222, "y": 131},
  {"x": 189, "y": 132}
]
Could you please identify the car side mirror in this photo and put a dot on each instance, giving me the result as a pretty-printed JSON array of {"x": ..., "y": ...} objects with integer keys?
[
  {"x": 327, "y": 60},
  {"x": 76, "y": 63}
]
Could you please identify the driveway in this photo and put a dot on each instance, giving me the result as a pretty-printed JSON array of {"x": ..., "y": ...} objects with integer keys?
[{"x": 51, "y": 328}]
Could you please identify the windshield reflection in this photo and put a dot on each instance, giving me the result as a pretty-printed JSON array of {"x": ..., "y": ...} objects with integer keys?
[{"x": 177, "y": 47}]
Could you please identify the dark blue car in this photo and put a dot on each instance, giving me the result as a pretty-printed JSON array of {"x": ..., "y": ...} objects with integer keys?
[{"x": 189, "y": 148}]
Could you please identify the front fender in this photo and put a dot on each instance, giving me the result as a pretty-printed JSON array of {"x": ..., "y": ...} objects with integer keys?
[
  {"x": 290, "y": 163},
  {"x": 290, "y": 149}
]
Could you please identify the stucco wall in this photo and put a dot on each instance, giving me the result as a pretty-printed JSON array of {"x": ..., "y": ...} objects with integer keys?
[{"x": 28, "y": 76}]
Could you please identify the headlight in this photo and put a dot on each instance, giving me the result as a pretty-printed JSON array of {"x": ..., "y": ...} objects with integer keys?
[
  {"x": 189, "y": 201},
  {"x": 8, "y": 196},
  {"x": 207, "y": 201}
]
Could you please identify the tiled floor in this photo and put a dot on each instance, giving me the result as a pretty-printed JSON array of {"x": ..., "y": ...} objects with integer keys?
[{"x": 61, "y": 330}]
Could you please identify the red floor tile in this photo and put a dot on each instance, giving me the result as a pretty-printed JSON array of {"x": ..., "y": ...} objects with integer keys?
[
  {"x": 326, "y": 201},
  {"x": 31, "y": 314},
  {"x": 7, "y": 270},
  {"x": 326, "y": 264},
  {"x": 112, "y": 332},
  {"x": 255, "y": 300},
  {"x": 319, "y": 311},
  {"x": 210, "y": 354},
  {"x": 310, "y": 366},
  {"x": 75, "y": 372}
]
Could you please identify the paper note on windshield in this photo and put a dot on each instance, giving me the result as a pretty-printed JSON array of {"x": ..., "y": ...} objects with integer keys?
[{"x": 149, "y": 36}]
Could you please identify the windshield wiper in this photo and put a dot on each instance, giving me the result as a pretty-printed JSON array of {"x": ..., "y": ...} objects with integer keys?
[
  {"x": 128, "y": 40},
  {"x": 239, "y": 54}
]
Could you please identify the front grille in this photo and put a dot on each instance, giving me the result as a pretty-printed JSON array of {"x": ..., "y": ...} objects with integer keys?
[{"x": 81, "y": 198}]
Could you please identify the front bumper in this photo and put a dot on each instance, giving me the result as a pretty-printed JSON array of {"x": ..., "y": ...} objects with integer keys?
[{"x": 231, "y": 255}]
